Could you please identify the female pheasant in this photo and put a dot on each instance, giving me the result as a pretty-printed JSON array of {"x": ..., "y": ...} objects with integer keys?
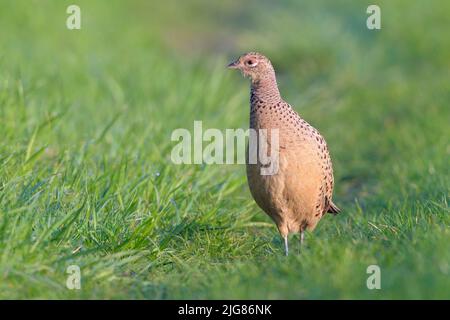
[{"x": 300, "y": 193}]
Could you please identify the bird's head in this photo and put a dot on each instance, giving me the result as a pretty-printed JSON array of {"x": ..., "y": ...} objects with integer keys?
[{"x": 253, "y": 65}]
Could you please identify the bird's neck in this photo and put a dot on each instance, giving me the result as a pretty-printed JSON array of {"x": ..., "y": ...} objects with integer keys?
[{"x": 265, "y": 90}]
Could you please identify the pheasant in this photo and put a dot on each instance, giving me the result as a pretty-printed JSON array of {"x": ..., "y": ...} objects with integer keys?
[{"x": 300, "y": 193}]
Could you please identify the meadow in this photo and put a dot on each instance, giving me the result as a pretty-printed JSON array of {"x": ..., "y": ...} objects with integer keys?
[{"x": 86, "y": 176}]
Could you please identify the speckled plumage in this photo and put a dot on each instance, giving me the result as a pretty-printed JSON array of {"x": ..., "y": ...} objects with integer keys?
[{"x": 300, "y": 193}]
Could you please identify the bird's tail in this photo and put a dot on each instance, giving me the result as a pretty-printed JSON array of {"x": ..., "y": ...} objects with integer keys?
[{"x": 334, "y": 209}]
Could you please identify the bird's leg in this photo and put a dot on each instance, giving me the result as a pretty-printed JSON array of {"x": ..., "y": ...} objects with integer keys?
[
  {"x": 302, "y": 238},
  {"x": 286, "y": 245}
]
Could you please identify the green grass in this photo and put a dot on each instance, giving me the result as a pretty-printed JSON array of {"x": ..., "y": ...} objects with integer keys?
[{"x": 85, "y": 171}]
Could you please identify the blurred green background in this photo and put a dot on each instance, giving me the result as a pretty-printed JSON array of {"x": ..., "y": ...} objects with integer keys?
[{"x": 85, "y": 171}]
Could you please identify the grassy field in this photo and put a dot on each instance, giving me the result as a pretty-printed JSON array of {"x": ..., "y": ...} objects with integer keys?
[{"x": 85, "y": 171}]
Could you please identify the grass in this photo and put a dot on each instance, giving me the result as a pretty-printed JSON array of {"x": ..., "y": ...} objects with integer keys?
[{"x": 85, "y": 171}]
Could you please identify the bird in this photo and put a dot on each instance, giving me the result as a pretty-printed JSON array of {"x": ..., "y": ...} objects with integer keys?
[{"x": 299, "y": 194}]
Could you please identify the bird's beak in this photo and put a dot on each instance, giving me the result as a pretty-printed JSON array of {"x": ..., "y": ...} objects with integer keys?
[{"x": 233, "y": 65}]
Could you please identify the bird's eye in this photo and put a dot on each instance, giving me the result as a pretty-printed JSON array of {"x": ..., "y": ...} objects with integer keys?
[{"x": 251, "y": 63}]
